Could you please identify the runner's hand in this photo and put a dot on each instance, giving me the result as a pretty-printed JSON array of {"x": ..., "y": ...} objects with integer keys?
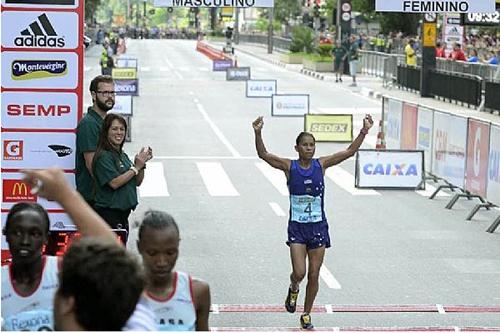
[
  {"x": 258, "y": 124},
  {"x": 368, "y": 122},
  {"x": 48, "y": 183}
]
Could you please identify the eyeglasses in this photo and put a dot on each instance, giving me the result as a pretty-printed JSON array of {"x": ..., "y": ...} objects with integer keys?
[{"x": 106, "y": 93}]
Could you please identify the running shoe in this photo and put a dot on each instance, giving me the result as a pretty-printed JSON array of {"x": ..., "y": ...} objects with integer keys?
[
  {"x": 291, "y": 300},
  {"x": 305, "y": 321}
]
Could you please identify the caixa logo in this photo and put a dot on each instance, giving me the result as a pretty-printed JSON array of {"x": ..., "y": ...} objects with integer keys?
[
  {"x": 38, "y": 69},
  {"x": 40, "y": 33},
  {"x": 390, "y": 169}
]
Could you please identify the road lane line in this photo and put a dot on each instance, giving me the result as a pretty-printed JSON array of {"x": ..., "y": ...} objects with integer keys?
[
  {"x": 345, "y": 180},
  {"x": 217, "y": 131},
  {"x": 216, "y": 180},
  {"x": 154, "y": 183},
  {"x": 440, "y": 308},
  {"x": 277, "y": 209},
  {"x": 328, "y": 277},
  {"x": 275, "y": 176}
]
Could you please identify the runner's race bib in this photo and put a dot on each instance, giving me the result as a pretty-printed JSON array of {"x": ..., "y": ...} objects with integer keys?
[
  {"x": 36, "y": 320},
  {"x": 306, "y": 209}
]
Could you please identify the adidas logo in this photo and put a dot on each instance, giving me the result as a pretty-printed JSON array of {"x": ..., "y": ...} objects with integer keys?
[{"x": 40, "y": 33}]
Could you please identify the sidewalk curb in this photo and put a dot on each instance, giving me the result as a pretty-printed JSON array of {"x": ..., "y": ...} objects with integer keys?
[{"x": 368, "y": 92}]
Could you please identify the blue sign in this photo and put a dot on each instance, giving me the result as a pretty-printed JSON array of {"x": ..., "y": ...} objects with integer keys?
[
  {"x": 127, "y": 87},
  {"x": 220, "y": 65}
]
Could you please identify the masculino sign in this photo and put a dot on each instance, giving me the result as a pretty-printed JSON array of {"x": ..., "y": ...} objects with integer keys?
[
  {"x": 238, "y": 73},
  {"x": 215, "y": 3},
  {"x": 261, "y": 88},
  {"x": 329, "y": 127},
  {"x": 52, "y": 30},
  {"x": 41, "y": 110},
  {"x": 290, "y": 105},
  {"x": 127, "y": 87},
  {"x": 390, "y": 169},
  {"x": 435, "y": 6}
]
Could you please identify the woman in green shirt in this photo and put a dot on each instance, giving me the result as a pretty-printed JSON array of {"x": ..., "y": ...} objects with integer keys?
[{"x": 115, "y": 176}]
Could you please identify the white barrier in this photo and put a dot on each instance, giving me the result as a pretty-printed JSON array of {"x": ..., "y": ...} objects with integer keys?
[
  {"x": 394, "y": 114},
  {"x": 493, "y": 188},
  {"x": 450, "y": 140},
  {"x": 424, "y": 134}
]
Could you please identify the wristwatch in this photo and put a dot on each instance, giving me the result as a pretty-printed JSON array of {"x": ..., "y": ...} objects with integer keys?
[{"x": 134, "y": 169}]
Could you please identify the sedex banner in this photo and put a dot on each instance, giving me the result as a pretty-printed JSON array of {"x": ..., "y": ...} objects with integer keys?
[{"x": 329, "y": 127}]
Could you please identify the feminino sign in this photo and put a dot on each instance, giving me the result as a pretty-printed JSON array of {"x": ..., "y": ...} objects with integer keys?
[{"x": 435, "y": 6}]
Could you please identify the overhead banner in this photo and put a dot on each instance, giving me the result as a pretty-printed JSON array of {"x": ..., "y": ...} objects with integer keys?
[
  {"x": 238, "y": 74},
  {"x": 329, "y": 127},
  {"x": 409, "y": 128},
  {"x": 127, "y": 87},
  {"x": 435, "y": 6},
  {"x": 450, "y": 142},
  {"x": 215, "y": 3},
  {"x": 393, "y": 119},
  {"x": 424, "y": 134},
  {"x": 478, "y": 140},
  {"x": 493, "y": 188},
  {"x": 123, "y": 105},
  {"x": 390, "y": 169},
  {"x": 290, "y": 105},
  {"x": 261, "y": 88},
  {"x": 129, "y": 73},
  {"x": 38, "y": 150}
]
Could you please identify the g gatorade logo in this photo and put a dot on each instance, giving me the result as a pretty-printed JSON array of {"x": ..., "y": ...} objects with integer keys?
[
  {"x": 38, "y": 69},
  {"x": 13, "y": 150},
  {"x": 40, "y": 33}
]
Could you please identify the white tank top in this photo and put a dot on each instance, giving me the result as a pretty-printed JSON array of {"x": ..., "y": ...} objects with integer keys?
[
  {"x": 32, "y": 312},
  {"x": 177, "y": 312}
]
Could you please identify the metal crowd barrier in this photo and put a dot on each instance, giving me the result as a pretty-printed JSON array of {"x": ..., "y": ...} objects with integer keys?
[
  {"x": 492, "y": 96},
  {"x": 461, "y": 153},
  {"x": 456, "y": 87},
  {"x": 279, "y": 43},
  {"x": 408, "y": 77}
]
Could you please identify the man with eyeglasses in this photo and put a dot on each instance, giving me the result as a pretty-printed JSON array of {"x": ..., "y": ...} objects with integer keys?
[{"x": 102, "y": 89}]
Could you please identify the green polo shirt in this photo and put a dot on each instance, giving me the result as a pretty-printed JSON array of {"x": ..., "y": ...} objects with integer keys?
[
  {"x": 339, "y": 53},
  {"x": 87, "y": 135},
  {"x": 108, "y": 166}
]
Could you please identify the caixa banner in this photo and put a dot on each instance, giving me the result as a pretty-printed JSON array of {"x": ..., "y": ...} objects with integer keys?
[{"x": 390, "y": 169}]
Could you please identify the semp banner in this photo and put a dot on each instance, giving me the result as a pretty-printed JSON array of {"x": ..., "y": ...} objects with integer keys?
[
  {"x": 329, "y": 127},
  {"x": 390, "y": 169}
]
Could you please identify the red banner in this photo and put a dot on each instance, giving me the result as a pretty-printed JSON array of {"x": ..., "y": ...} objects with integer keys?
[{"x": 477, "y": 157}]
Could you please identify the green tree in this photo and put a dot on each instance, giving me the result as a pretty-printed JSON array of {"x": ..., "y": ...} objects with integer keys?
[{"x": 286, "y": 9}]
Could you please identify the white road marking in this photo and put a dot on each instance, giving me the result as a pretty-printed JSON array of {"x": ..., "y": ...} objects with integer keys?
[
  {"x": 354, "y": 111},
  {"x": 86, "y": 68},
  {"x": 329, "y": 308},
  {"x": 216, "y": 180},
  {"x": 154, "y": 183},
  {"x": 178, "y": 75},
  {"x": 440, "y": 308},
  {"x": 217, "y": 131},
  {"x": 345, "y": 180},
  {"x": 215, "y": 308},
  {"x": 145, "y": 69},
  {"x": 277, "y": 209},
  {"x": 328, "y": 277},
  {"x": 275, "y": 176},
  {"x": 164, "y": 69}
]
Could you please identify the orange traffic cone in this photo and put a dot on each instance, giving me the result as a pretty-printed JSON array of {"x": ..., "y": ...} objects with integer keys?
[{"x": 380, "y": 136}]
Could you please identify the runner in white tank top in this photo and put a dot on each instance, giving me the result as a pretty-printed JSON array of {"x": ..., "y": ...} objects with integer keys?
[{"x": 179, "y": 302}]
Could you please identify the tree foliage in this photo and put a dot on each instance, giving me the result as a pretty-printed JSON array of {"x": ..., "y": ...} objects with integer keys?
[{"x": 286, "y": 9}]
